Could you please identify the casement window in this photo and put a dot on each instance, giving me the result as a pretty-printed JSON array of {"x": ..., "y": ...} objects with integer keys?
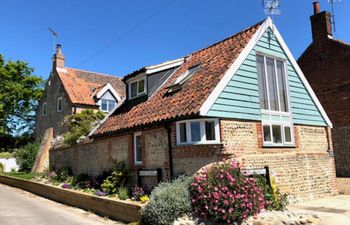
[
  {"x": 277, "y": 124},
  {"x": 59, "y": 104},
  {"x": 107, "y": 105},
  {"x": 137, "y": 149},
  {"x": 199, "y": 131},
  {"x": 137, "y": 87},
  {"x": 44, "y": 108}
]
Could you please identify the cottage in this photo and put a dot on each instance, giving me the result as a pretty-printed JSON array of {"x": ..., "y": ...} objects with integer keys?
[
  {"x": 243, "y": 97},
  {"x": 69, "y": 91},
  {"x": 326, "y": 64}
]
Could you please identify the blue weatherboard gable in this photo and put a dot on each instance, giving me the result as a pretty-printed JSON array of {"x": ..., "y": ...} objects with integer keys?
[{"x": 240, "y": 97}]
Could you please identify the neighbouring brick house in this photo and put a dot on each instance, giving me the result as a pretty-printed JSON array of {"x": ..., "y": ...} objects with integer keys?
[
  {"x": 326, "y": 65},
  {"x": 243, "y": 97},
  {"x": 69, "y": 91}
]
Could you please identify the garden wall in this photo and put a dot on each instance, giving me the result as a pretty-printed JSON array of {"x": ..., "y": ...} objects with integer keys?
[
  {"x": 341, "y": 137},
  {"x": 114, "y": 209}
]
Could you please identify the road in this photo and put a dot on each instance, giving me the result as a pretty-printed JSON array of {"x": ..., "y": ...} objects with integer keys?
[{"x": 18, "y": 207}]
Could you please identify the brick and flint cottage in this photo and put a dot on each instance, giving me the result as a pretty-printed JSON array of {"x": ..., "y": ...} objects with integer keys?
[
  {"x": 69, "y": 91},
  {"x": 243, "y": 97},
  {"x": 326, "y": 65}
]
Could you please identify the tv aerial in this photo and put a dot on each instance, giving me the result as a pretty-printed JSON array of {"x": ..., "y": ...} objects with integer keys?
[
  {"x": 271, "y": 7},
  {"x": 333, "y": 16}
]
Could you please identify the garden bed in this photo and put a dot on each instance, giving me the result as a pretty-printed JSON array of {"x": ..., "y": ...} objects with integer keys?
[{"x": 126, "y": 211}]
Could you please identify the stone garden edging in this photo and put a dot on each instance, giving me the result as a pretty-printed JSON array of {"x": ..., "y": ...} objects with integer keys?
[{"x": 126, "y": 211}]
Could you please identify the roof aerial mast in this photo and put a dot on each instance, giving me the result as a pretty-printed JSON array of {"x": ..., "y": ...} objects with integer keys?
[{"x": 333, "y": 15}]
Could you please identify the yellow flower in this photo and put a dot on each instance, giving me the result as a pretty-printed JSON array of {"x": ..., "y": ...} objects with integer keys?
[{"x": 144, "y": 199}]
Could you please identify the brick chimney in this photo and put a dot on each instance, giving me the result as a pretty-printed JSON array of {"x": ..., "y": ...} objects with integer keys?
[
  {"x": 58, "y": 57},
  {"x": 320, "y": 24}
]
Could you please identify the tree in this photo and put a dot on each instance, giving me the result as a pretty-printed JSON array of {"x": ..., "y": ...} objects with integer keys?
[
  {"x": 81, "y": 124},
  {"x": 20, "y": 91}
]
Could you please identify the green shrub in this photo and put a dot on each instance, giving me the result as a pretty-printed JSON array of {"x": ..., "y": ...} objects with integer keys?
[
  {"x": 26, "y": 155},
  {"x": 81, "y": 124},
  {"x": 1, "y": 168},
  {"x": 64, "y": 174},
  {"x": 273, "y": 201},
  {"x": 123, "y": 193},
  {"x": 168, "y": 201},
  {"x": 6, "y": 155},
  {"x": 82, "y": 181},
  {"x": 223, "y": 194},
  {"x": 119, "y": 178}
]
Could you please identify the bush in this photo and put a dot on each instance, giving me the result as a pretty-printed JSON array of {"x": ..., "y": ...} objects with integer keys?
[
  {"x": 64, "y": 174},
  {"x": 6, "y": 155},
  {"x": 82, "y": 181},
  {"x": 119, "y": 178},
  {"x": 26, "y": 155},
  {"x": 1, "y": 168},
  {"x": 81, "y": 124},
  {"x": 168, "y": 201},
  {"x": 221, "y": 193},
  {"x": 274, "y": 200},
  {"x": 123, "y": 193}
]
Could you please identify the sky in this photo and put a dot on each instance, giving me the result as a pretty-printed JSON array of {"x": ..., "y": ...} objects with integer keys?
[{"x": 118, "y": 36}]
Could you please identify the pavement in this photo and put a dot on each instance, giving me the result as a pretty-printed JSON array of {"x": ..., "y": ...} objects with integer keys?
[
  {"x": 18, "y": 207},
  {"x": 333, "y": 210}
]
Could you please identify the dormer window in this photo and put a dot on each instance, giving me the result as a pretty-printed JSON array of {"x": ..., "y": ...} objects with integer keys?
[
  {"x": 137, "y": 88},
  {"x": 107, "y": 105}
]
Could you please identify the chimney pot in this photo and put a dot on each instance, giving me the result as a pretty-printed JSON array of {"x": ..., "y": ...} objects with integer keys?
[
  {"x": 316, "y": 7},
  {"x": 58, "y": 49}
]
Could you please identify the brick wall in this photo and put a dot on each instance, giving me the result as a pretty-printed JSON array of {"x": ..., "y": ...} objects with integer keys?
[{"x": 306, "y": 171}]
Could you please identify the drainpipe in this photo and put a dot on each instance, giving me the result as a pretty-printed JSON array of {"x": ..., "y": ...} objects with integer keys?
[{"x": 170, "y": 148}]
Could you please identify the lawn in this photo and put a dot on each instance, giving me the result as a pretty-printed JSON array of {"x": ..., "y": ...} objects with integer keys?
[{"x": 21, "y": 175}]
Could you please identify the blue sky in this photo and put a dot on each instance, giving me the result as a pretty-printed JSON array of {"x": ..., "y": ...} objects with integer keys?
[{"x": 147, "y": 31}]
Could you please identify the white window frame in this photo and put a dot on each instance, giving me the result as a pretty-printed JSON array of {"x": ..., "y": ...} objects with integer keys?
[
  {"x": 137, "y": 81},
  {"x": 202, "y": 132},
  {"x": 44, "y": 109},
  {"x": 270, "y": 112},
  {"x": 108, "y": 109},
  {"x": 136, "y": 162},
  {"x": 59, "y": 99}
]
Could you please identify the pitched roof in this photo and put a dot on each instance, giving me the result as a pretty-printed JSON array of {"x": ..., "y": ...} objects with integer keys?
[
  {"x": 81, "y": 85},
  {"x": 214, "y": 61}
]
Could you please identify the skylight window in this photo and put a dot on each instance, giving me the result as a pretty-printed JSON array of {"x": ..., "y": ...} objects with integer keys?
[{"x": 183, "y": 78}]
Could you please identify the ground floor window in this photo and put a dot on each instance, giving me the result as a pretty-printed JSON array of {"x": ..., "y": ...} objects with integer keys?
[
  {"x": 137, "y": 149},
  {"x": 198, "y": 131}
]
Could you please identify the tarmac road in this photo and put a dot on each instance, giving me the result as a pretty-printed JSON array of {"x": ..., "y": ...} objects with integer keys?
[{"x": 18, "y": 207}]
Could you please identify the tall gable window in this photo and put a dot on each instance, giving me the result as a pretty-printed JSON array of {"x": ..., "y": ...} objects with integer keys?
[
  {"x": 274, "y": 102},
  {"x": 44, "y": 108},
  {"x": 200, "y": 131},
  {"x": 137, "y": 87},
  {"x": 59, "y": 104},
  {"x": 137, "y": 148}
]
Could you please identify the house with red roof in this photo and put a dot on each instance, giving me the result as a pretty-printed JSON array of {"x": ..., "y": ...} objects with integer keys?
[
  {"x": 69, "y": 91},
  {"x": 244, "y": 97},
  {"x": 326, "y": 64}
]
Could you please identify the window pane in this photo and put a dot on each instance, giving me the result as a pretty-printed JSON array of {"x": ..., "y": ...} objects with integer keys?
[
  {"x": 44, "y": 109},
  {"x": 267, "y": 133},
  {"x": 276, "y": 132},
  {"x": 282, "y": 86},
  {"x": 111, "y": 105},
  {"x": 59, "y": 104},
  {"x": 262, "y": 82},
  {"x": 133, "y": 87},
  {"x": 210, "y": 130},
  {"x": 141, "y": 86},
  {"x": 195, "y": 132},
  {"x": 287, "y": 134},
  {"x": 104, "y": 105},
  {"x": 270, "y": 68},
  {"x": 183, "y": 133},
  {"x": 138, "y": 148}
]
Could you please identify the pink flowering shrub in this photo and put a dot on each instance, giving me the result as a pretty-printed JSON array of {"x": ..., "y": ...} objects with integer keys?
[{"x": 223, "y": 194}]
